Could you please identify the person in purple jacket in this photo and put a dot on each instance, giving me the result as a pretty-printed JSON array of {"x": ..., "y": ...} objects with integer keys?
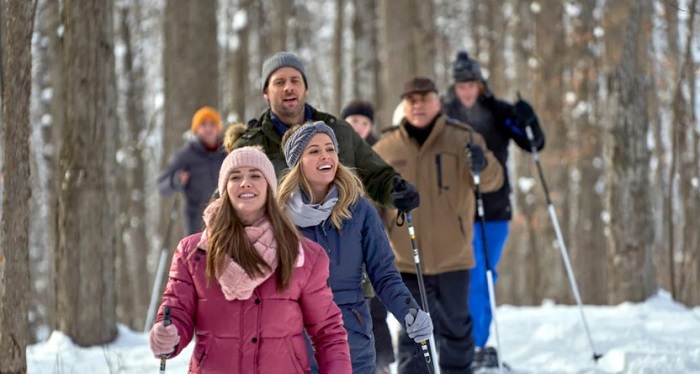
[
  {"x": 194, "y": 168},
  {"x": 249, "y": 285}
]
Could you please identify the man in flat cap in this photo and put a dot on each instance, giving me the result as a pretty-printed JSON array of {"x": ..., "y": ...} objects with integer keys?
[{"x": 440, "y": 156}]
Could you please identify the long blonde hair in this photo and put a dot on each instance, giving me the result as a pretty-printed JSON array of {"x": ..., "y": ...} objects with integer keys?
[
  {"x": 227, "y": 239},
  {"x": 349, "y": 186}
]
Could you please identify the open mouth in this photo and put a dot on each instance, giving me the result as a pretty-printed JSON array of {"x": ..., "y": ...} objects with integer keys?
[
  {"x": 325, "y": 167},
  {"x": 290, "y": 100},
  {"x": 247, "y": 195}
]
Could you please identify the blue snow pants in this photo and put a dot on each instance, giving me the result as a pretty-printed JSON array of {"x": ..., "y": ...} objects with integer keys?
[{"x": 496, "y": 235}]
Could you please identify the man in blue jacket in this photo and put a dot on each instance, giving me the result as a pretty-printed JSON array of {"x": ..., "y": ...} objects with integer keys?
[{"x": 194, "y": 169}]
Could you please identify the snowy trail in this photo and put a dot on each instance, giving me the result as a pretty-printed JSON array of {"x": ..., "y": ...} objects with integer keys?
[{"x": 657, "y": 336}]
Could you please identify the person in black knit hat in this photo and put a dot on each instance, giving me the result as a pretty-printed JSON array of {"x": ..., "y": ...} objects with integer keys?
[
  {"x": 470, "y": 101},
  {"x": 360, "y": 115}
]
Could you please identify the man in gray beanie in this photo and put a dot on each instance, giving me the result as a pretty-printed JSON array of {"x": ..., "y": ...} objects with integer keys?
[{"x": 285, "y": 88}]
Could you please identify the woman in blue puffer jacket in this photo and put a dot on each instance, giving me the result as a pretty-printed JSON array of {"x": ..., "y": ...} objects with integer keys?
[{"x": 325, "y": 200}]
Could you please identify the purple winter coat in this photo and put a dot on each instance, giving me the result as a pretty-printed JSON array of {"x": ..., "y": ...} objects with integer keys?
[{"x": 263, "y": 334}]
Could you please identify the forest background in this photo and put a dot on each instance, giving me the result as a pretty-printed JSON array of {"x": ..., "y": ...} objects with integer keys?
[{"x": 97, "y": 95}]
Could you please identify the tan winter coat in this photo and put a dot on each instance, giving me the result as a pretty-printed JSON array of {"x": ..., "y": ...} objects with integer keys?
[{"x": 442, "y": 173}]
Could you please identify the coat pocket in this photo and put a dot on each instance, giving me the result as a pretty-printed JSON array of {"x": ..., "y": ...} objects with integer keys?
[
  {"x": 200, "y": 355},
  {"x": 301, "y": 365}
]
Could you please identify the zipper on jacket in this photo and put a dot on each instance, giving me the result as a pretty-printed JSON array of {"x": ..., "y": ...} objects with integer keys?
[
  {"x": 358, "y": 316},
  {"x": 461, "y": 226},
  {"x": 438, "y": 167}
]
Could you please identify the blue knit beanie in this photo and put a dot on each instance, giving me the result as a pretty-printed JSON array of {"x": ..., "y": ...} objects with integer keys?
[
  {"x": 300, "y": 138},
  {"x": 280, "y": 60}
]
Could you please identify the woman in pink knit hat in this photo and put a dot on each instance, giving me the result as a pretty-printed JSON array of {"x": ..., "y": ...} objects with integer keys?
[{"x": 248, "y": 285}]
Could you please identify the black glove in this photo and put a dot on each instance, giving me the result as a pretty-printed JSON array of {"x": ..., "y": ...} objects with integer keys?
[
  {"x": 404, "y": 195},
  {"x": 477, "y": 158},
  {"x": 525, "y": 114}
]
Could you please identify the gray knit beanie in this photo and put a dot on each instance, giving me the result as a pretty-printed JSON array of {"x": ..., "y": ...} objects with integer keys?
[
  {"x": 465, "y": 69},
  {"x": 280, "y": 60},
  {"x": 300, "y": 138}
]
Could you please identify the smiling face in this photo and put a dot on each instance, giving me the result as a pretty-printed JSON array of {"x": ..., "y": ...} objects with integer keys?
[
  {"x": 319, "y": 162},
  {"x": 247, "y": 192},
  {"x": 420, "y": 109},
  {"x": 286, "y": 94}
]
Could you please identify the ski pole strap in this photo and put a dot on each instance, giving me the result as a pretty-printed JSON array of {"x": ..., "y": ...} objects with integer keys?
[{"x": 400, "y": 218}]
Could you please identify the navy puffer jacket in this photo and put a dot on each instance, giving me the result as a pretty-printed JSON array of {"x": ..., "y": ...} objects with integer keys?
[{"x": 362, "y": 240}]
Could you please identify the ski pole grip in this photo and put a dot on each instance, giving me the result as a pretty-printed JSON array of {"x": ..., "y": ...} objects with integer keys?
[{"x": 166, "y": 316}]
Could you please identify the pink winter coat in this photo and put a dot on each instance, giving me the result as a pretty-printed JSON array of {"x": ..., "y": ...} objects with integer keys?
[{"x": 263, "y": 334}]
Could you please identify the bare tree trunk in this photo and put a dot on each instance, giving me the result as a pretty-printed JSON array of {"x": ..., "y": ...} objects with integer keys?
[
  {"x": 365, "y": 59},
  {"x": 85, "y": 275},
  {"x": 179, "y": 104},
  {"x": 17, "y": 36},
  {"x": 278, "y": 31},
  {"x": 240, "y": 57},
  {"x": 523, "y": 284},
  {"x": 628, "y": 199},
  {"x": 48, "y": 115},
  {"x": 689, "y": 166},
  {"x": 668, "y": 170},
  {"x": 190, "y": 61},
  {"x": 203, "y": 47},
  {"x": 588, "y": 244},
  {"x": 495, "y": 27},
  {"x": 135, "y": 243},
  {"x": 338, "y": 52},
  {"x": 407, "y": 48},
  {"x": 549, "y": 70}
]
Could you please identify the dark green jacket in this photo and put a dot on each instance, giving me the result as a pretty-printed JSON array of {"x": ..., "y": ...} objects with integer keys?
[{"x": 376, "y": 175}]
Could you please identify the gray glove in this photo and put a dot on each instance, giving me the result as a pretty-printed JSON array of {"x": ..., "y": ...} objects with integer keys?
[{"x": 420, "y": 327}]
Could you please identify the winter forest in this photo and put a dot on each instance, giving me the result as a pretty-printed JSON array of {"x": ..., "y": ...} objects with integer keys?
[{"x": 97, "y": 95}]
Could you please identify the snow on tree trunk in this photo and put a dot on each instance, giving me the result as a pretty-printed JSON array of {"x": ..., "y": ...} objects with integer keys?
[
  {"x": 135, "y": 243},
  {"x": 632, "y": 276}
]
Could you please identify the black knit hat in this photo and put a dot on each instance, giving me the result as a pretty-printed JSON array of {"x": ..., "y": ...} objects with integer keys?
[
  {"x": 280, "y": 60},
  {"x": 465, "y": 69},
  {"x": 358, "y": 107}
]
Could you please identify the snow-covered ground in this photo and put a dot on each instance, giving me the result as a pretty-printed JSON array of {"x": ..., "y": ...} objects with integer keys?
[{"x": 657, "y": 336}]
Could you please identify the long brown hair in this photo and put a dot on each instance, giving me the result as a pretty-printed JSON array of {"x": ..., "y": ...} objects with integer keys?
[
  {"x": 349, "y": 186},
  {"x": 227, "y": 239}
]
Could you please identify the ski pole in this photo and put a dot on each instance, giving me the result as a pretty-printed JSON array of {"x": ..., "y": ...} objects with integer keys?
[
  {"x": 161, "y": 267},
  {"x": 427, "y": 348},
  {"x": 560, "y": 237},
  {"x": 489, "y": 271},
  {"x": 166, "y": 323}
]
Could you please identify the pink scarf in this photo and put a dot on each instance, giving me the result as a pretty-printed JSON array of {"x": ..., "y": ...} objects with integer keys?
[{"x": 234, "y": 281}]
